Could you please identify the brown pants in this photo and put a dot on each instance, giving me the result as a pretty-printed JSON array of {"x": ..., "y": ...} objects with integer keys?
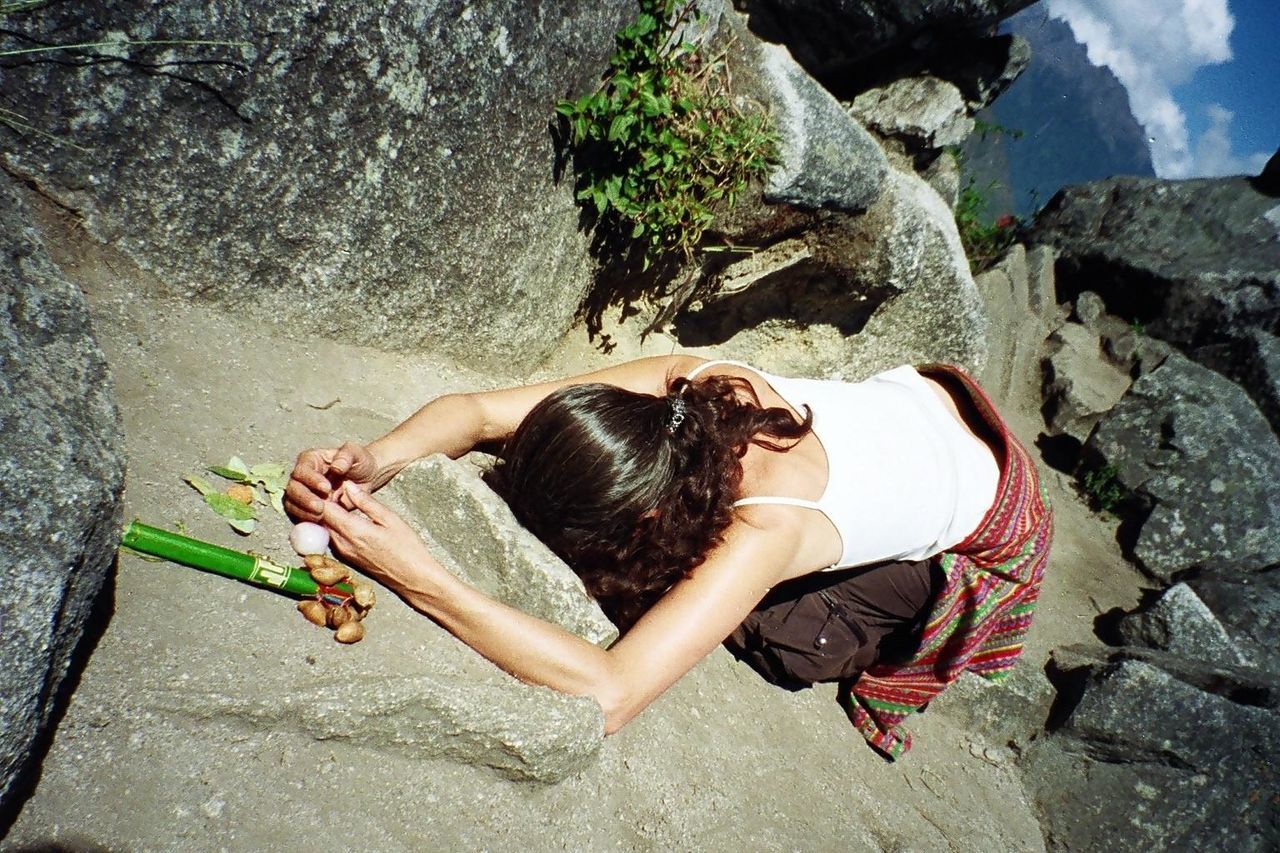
[{"x": 830, "y": 626}]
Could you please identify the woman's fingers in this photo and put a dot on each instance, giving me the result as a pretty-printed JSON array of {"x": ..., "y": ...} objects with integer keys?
[
  {"x": 379, "y": 512},
  {"x": 301, "y": 502}
]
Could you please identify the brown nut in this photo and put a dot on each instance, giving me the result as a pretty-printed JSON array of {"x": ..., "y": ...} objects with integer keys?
[
  {"x": 351, "y": 632},
  {"x": 313, "y": 612},
  {"x": 241, "y": 493},
  {"x": 324, "y": 569},
  {"x": 339, "y": 616},
  {"x": 363, "y": 595}
]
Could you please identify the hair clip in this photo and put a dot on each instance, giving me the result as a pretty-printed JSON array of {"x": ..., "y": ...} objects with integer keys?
[{"x": 678, "y": 409}]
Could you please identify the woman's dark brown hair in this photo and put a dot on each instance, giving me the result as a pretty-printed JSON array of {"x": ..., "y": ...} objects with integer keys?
[{"x": 634, "y": 490}]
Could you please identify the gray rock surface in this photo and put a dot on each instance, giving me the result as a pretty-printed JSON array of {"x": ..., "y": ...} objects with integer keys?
[
  {"x": 1248, "y": 605},
  {"x": 1195, "y": 261},
  {"x": 1253, "y": 360},
  {"x": 1194, "y": 447},
  {"x": 383, "y": 174},
  {"x": 447, "y": 502},
  {"x": 1089, "y": 309},
  {"x": 1180, "y": 623},
  {"x": 925, "y": 112},
  {"x": 1016, "y": 345},
  {"x": 61, "y": 478},
  {"x": 1041, "y": 284},
  {"x": 1012, "y": 712},
  {"x": 551, "y": 737},
  {"x": 827, "y": 159},
  {"x": 1147, "y": 762},
  {"x": 829, "y": 39},
  {"x": 1080, "y": 383},
  {"x": 879, "y": 289}
]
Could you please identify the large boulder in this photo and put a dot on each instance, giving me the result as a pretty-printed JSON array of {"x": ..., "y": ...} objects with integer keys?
[
  {"x": 1248, "y": 606},
  {"x": 826, "y": 160},
  {"x": 1180, "y": 623},
  {"x": 61, "y": 477},
  {"x": 1195, "y": 261},
  {"x": 1253, "y": 360},
  {"x": 383, "y": 173},
  {"x": 832, "y": 39},
  {"x": 847, "y": 295},
  {"x": 1148, "y": 762},
  {"x": 925, "y": 113},
  {"x": 450, "y": 506},
  {"x": 1193, "y": 447},
  {"x": 856, "y": 266}
]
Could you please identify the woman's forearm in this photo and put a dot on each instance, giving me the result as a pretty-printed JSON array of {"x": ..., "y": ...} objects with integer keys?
[
  {"x": 528, "y": 648},
  {"x": 452, "y": 424}
]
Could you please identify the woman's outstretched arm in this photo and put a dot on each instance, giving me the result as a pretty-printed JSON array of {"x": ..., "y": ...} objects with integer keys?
[
  {"x": 452, "y": 424},
  {"x": 683, "y": 627}
]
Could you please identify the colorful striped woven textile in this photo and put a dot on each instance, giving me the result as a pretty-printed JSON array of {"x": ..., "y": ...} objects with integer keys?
[{"x": 983, "y": 612}]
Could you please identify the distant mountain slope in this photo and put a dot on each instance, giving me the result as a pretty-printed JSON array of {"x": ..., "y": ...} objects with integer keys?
[{"x": 1075, "y": 119}]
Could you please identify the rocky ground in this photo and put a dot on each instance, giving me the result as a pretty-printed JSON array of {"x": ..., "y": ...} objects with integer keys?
[{"x": 143, "y": 759}]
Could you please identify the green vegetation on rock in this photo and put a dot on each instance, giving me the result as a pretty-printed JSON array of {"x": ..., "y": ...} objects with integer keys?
[
  {"x": 1104, "y": 489},
  {"x": 661, "y": 143}
]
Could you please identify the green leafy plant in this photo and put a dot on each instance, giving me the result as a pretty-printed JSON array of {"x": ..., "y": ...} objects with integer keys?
[
  {"x": 1104, "y": 488},
  {"x": 984, "y": 242},
  {"x": 661, "y": 143}
]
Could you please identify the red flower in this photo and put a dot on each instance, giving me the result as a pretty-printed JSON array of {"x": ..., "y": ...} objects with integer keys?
[{"x": 1007, "y": 221}]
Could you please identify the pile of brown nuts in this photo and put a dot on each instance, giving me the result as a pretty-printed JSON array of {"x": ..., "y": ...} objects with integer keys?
[{"x": 331, "y": 608}]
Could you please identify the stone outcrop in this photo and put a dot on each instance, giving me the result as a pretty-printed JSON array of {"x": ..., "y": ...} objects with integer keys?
[
  {"x": 826, "y": 160},
  {"x": 1019, "y": 288},
  {"x": 1180, "y": 623},
  {"x": 61, "y": 476},
  {"x": 1253, "y": 360},
  {"x": 1080, "y": 383},
  {"x": 1194, "y": 448},
  {"x": 386, "y": 174},
  {"x": 1248, "y": 606},
  {"x": 865, "y": 292},
  {"x": 476, "y": 533},
  {"x": 924, "y": 112},
  {"x": 1197, "y": 262},
  {"x": 523, "y": 732},
  {"x": 1146, "y": 761}
]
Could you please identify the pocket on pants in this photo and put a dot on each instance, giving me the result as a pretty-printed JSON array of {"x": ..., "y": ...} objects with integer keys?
[{"x": 796, "y": 643}]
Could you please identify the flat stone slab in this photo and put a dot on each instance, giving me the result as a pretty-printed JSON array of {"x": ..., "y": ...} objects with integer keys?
[
  {"x": 524, "y": 732},
  {"x": 448, "y": 503}
]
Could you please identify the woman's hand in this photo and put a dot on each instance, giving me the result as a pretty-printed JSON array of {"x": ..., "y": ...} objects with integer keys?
[
  {"x": 319, "y": 473},
  {"x": 377, "y": 541}
]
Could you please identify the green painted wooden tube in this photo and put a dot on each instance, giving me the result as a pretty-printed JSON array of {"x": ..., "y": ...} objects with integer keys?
[{"x": 223, "y": 561}]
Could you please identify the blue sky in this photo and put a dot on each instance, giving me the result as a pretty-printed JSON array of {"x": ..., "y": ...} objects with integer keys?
[{"x": 1203, "y": 76}]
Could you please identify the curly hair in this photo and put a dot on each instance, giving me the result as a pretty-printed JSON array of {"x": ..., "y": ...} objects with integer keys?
[{"x": 634, "y": 490}]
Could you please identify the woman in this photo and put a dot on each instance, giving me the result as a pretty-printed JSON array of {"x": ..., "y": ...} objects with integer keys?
[{"x": 684, "y": 491}]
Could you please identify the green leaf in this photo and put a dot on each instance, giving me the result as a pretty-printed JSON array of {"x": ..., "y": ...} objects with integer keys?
[
  {"x": 235, "y": 463},
  {"x": 618, "y": 127},
  {"x": 200, "y": 484},
  {"x": 243, "y": 525},
  {"x": 277, "y": 501},
  {"x": 637, "y": 230},
  {"x": 267, "y": 471},
  {"x": 229, "y": 508}
]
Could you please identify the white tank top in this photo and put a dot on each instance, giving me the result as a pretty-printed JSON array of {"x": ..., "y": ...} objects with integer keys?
[{"x": 905, "y": 480}]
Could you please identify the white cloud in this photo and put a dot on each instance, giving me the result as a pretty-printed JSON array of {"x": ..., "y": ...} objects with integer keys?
[
  {"x": 1213, "y": 154},
  {"x": 1153, "y": 47}
]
